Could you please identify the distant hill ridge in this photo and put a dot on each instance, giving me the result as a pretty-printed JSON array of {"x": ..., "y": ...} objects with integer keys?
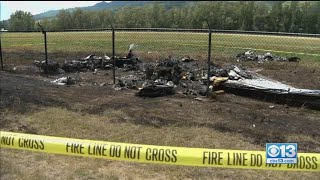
[{"x": 111, "y": 5}]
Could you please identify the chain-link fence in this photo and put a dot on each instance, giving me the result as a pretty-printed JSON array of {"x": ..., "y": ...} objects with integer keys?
[
  {"x": 21, "y": 48},
  {"x": 292, "y": 59},
  {"x": 155, "y": 45},
  {"x": 289, "y": 58},
  {"x": 74, "y": 45}
]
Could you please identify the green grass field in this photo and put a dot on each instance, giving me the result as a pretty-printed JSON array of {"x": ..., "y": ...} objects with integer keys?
[{"x": 164, "y": 44}]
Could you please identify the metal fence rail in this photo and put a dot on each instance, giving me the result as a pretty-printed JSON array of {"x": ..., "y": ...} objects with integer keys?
[{"x": 182, "y": 30}]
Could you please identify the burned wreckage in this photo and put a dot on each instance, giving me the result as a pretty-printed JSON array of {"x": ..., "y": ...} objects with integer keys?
[
  {"x": 189, "y": 77},
  {"x": 91, "y": 62},
  {"x": 177, "y": 76},
  {"x": 251, "y": 55}
]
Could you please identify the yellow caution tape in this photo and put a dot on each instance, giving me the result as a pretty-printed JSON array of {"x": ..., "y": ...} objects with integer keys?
[{"x": 154, "y": 154}]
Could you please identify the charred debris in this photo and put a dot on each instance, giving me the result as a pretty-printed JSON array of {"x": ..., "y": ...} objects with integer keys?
[
  {"x": 189, "y": 77},
  {"x": 261, "y": 58}
]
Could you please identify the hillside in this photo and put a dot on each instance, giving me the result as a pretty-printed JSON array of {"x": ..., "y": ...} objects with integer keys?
[{"x": 110, "y": 5}]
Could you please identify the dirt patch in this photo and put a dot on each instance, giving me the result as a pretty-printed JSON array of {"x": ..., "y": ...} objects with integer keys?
[
  {"x": 101, "y": 113},
  {"x": 99, "y": 109},
  {"x": 18, "y": 93},
  {"x": 23, "y": 94}
]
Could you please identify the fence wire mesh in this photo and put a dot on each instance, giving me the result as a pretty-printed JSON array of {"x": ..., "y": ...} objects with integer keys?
[
  {"x": 266, "y": 54},
  {"x": 75, "y": 45},
  {"x": 21, "y": 48},
  {"x": 302, "y": 74},
  {"x": 154, "y": 46}
]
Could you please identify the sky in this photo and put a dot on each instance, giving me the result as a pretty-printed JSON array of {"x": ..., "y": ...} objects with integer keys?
[{"x": 36, "y": 7}]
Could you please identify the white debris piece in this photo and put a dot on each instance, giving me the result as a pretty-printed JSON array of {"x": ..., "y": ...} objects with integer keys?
[
  {"x": 260, "y": 82},
  {"x": 63, "y": 81},
  {"x": 248, "y": 52},
  {"x": 234, "y": 75},
  {"x": 132, "y": 46},
  {"x": 170, "y": 83}
]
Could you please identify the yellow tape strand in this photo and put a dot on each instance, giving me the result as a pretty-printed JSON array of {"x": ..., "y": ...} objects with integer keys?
[{"x": 154, "y": 154}]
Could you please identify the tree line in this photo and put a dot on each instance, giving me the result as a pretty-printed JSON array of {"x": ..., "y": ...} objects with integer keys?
[{"x": 281, "y": 16}]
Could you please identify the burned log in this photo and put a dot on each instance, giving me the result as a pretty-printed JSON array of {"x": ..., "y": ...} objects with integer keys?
[{"x": 156, "y": 91}]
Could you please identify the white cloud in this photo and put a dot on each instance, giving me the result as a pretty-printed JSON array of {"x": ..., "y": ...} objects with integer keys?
[{"x": 36, "y": 7}]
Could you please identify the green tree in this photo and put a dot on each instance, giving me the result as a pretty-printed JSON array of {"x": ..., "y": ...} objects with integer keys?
[
  {"x": 261, "y": 16},
  {"x": 21, "y": 21},
  {"x": 4, "y": 25},
  {"x": 64, "y": 20},
  {"x": 105, "y": 16},
  {"x": 314, "y": 22},
  {"x": 317, "y": 25},
  {"x": 276, "y": 15},
  {"x": 247, "y": 15},
  {"x": 283, "y": 16},
  {"x": 295, "y": 16},
  {"x": 50, "y": 24}
]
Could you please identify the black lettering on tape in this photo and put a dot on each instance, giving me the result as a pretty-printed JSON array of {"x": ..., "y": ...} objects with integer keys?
[
  {"x": 25, "y": 143},
  {"x": 132, "y": 152},
  {"x": 31, "y": 143},
  {"x": 97, "y": 149},
  {"x": 308, "y": 162},
  {"x": 305, "y": 163},
  {"x": 167, "y": 158},
  {"x": 67, "y": 147},
  {"x": 301, "y": 162},
  {"x": 245, "y": 159},
  {"x": 154, "y": 155},
  {"x": 256, "y": 160},
  {"x": 75, "y": 148},
  {"x": 161, "y": 155},
  {"x": 115, "y": 151},
  {"x": 148, "y": 152},
  {"x": 314, "y": 160},
  {"x": 228, "y": 159},
  {"x": 41, "y": 145},
  {"x": 205, "y": 155},
  {"x": 237, "y": 159},
  {"x": 212, "y": 158},
  {"x": 9, "y": 141},
  {"x": 174, "y": 156}
]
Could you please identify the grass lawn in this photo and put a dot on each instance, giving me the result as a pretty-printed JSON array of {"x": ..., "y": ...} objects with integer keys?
[{"x": 159, "y": 44}]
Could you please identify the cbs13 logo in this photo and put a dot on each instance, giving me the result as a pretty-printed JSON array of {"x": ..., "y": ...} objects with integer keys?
[{"x": 282, "y": 150}]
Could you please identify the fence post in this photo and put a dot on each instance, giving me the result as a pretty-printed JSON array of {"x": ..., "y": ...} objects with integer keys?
[
  {"x": 1, "y": 51},
  {"x": 209, "y": 58},
  {"x": 113, "y": 52},
  {"x": 45, "y": 47}
]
